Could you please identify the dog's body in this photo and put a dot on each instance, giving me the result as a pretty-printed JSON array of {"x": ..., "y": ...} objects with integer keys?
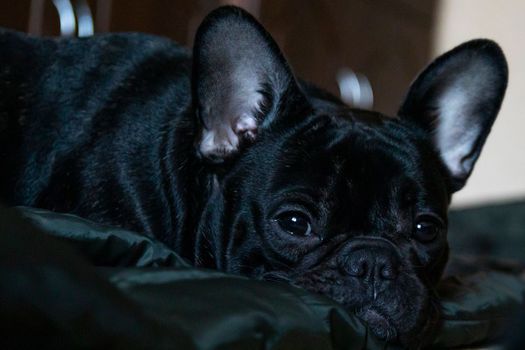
[
  {"x": 237, "y": 166},
  {"x": 117, "y": 125}
]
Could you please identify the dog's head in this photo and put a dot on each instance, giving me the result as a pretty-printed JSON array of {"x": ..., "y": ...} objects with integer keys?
[{"x": 347, "y": 203}]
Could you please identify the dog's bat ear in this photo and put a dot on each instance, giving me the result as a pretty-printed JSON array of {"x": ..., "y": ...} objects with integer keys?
[
  {"x": 240, "y": 79},
  {"x": 456, "y": 100}
]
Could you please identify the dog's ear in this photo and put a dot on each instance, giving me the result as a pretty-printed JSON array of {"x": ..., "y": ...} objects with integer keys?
[
  {"x": 240, "y": 79},
  {"x": 456, "y": 99}
]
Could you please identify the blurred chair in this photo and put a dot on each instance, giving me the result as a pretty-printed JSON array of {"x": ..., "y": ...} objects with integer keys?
[{"x": 75, "y": 17}]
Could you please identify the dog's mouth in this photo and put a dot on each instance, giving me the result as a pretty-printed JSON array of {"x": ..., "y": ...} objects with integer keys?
[
  {"x": 402, "y": 313},
  {"x": 377, "y": 322}
]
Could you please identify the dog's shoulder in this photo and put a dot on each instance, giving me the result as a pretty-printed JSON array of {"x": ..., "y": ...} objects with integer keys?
[{"x": 100, "y": 96}]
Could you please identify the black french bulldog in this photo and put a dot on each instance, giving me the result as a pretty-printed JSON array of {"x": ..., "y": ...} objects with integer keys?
[{"x": 237, "y": 165}]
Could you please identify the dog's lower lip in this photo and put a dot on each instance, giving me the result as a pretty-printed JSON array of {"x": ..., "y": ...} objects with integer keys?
[{"x": 378, "y": 323}]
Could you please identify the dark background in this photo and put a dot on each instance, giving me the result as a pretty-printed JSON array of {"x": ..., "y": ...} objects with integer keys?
[{"x": 388, "y": 41}]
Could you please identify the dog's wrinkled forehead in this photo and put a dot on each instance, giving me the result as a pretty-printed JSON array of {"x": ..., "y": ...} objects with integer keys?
[{"x": 363, "y": 162}]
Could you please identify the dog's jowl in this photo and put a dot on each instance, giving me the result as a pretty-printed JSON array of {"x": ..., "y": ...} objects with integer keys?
[{"x": 238, "y": 165}]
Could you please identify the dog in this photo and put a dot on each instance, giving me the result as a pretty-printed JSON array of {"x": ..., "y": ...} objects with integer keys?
[{"x": 237, "y": 165}]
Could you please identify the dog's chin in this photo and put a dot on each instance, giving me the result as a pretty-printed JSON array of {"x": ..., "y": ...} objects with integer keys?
[
  {"x": 405, "y": 313},
  {"x": 412, "y": 331},
  {"x": 378, "y": 323}
]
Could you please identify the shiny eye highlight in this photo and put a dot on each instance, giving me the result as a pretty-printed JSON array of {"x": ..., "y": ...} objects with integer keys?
[
  {"x": 294, "y": 223},
  {"x": 427, "y": 228}
]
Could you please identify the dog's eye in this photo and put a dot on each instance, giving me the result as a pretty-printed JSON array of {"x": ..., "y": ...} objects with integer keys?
[
  {"x": 427, "y": 228},
  {"x": 294, "y": 223}
]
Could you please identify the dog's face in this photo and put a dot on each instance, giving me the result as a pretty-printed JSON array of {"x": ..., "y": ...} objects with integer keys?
[{"x": 347, "y": 203}]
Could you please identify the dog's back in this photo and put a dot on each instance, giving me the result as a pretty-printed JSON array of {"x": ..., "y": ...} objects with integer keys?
[{"x": 85, "y": 113}]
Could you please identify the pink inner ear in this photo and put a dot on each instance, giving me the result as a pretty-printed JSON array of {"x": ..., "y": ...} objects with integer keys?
[
  {"x": 246, "y": 127},
  {"x": 224, "y": 140}
]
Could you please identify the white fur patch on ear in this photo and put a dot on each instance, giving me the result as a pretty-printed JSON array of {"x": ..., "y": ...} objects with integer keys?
[
  {"x": 233, "y": 117},
  {"x": 218, "y": 142},
  {"x": 247, "y": 126},
  {"x": 224, "y": 139}
]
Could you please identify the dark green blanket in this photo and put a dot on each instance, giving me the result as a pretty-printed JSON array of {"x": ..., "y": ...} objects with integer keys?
[{"x": 92, "y": 286}]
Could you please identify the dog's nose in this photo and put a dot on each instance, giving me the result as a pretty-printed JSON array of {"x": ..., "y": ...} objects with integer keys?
[{"x": 371, "y": 260}]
